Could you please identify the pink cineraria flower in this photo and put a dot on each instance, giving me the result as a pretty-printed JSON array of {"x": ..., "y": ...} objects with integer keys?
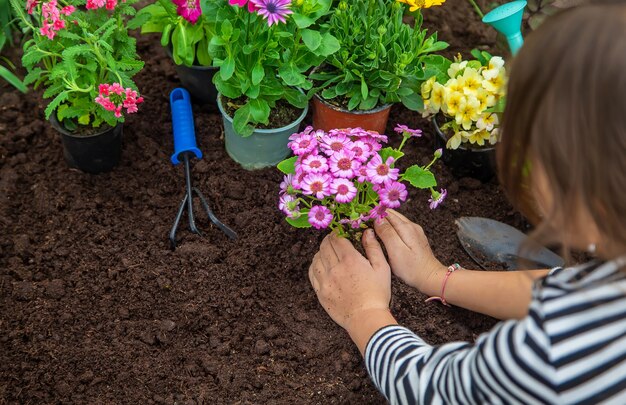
[
  {"x": 404, "y": 130},
  {"x": 67, "y": 10},
  {"x": 289, "y": 205},
  {"x": 241, "y": 3},
  {"x": 112, "y": 97},
  {"x": 314, "y": 164},
  {"x": 286, "y": 186},
  {"x": 343, "y": 164},
  {"x": 343, "y": 189},
  {"x": 273, "y": 10},
  {"x": 361, "y": 150},
  {"x": 362, "y": 174},
  {"x": 437, "y": 198},
  {"x": 320, "y": 217},
  {"x": 334, "y": 143},
  {"x": 303, "y": 143},
  {"x": 190, "y": 10},
  {"x": 379, "y": 172},
  {"x": 316, "y": 184},
  {"x": 392, "y": 193},
  {"x": 378, "y": 213}
]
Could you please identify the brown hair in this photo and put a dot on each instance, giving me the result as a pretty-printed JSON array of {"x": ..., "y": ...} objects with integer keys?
[{"x": 566, "y": 112}]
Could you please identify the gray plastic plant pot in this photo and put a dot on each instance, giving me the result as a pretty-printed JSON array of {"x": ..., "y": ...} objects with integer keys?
[
  {"x": 198, "y": 80},
  {"x": 264, "y": 148}
]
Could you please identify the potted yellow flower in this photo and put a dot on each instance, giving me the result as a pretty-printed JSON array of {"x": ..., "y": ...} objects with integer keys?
[{"x": 465, "y": 102}]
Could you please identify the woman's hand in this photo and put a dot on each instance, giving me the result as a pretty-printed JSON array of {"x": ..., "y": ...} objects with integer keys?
[
  {"x": 409, "y": 253},
  {"x": 355, "y": 291}
]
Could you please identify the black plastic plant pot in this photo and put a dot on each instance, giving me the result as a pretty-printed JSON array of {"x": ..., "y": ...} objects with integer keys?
[
  {"x": 95, "y": 153},
  {"x": 198, "y": 81},
  {"x": 464, "y": 162}
]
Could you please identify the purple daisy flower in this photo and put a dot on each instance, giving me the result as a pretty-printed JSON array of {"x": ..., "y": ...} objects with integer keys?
[
  {"x": 273, "y": 10},
  {"x": 392, "y": 194},
  {"x": 437, "y": 198},
  {"x": 343, "y": 164},
  {"x": 379, "y": 172},
  {"x": 404, "y": 130},
  {"x": 316, "y": 184},
  {"x": 314, "y": 164},
  {"x": 344, "y": 190}
]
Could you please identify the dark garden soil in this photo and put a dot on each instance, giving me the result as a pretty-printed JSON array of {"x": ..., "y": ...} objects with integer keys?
[{"x": 95, "y": 308}]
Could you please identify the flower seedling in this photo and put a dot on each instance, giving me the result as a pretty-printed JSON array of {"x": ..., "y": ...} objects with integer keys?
[
  {"x": 345, "y": 179},
  {"x": 470, "y": 95},
  {"x": 84, "y": 58}
]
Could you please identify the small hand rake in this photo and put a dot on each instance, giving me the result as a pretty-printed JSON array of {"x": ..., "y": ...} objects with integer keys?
[{"x": 185, "y": 147}]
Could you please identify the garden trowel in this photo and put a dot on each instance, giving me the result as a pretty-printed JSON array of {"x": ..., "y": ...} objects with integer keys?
[{"x": 495, "y": 244}]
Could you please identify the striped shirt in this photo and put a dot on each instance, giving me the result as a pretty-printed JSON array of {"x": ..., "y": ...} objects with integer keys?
[{"x": 570, "y": 349}]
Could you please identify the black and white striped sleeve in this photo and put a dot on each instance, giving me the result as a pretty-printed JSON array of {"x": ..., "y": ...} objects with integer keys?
[{"x": 507, "y": 365}]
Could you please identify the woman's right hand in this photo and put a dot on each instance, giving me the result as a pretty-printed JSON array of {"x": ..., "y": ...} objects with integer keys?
[{"x": 409, "y": 253}]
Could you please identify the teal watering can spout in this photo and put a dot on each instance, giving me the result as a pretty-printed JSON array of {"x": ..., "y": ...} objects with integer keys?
[{"x": 507, "y": 19}]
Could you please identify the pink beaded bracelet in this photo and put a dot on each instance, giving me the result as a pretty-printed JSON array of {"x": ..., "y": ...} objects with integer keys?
[{"x": 441, "y": 298}]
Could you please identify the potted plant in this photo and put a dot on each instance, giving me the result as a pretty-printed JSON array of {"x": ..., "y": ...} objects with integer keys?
[
  {"x": 84, "y": 59},
  {"x": 344, "y": 179},
  {"x": 263, "y": 48},
  {"x": 464, "y": 103},
  {"x": 186, "y": 29},
  {"x": 382, "y": 61}
]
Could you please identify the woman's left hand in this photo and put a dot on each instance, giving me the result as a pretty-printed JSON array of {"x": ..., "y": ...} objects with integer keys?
[{"x": 355, "y": 291}]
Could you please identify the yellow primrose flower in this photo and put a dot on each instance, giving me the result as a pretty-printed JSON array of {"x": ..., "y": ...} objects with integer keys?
[
  {"x": 437, "y": 96},
  {"x": 479, "y": 137},
  {"x": 453, "y": 101},
  {"x": 455, "y": 140},
  {"x": 426, "y": 88},
  {"x": 454, "y": 86},
  {"x": 418, "y": 4},
  {"x": 487, "y": 121},
  {"x": 456, "y": 67},
  {"x": 485, "y": 98},
  {"x": 496, "y": 84},
  {"x": 467, "y": 112},
  {"x": 496, "y": 64},
  {"x": 470, "y": 81},
  {"x": 494, "y": 137}
]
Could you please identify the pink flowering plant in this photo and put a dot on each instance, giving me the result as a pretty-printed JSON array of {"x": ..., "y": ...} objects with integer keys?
[
  {"x": 263, "y": 49},
  {"x": 346, "y": 178},
  {"x": 81, "y": 54},
  {"x": 186, "y": 27}
]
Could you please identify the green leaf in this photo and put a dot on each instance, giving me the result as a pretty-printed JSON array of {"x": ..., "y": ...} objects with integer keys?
[
  {"x": 419, "y": 178},
  {"x": 258, "y": 73},
  {"x": 387, "y": 152},
  {"x": 202, "y": 53},
  {"x": 227, "y": 69},
  {"x": 301, "y": 222},
  {"x": 288, "y": 166},
  {"x": 54, "y": 104},
  {"x": 181, "y": 46},
  {"x": 84, "y": 119},
  {"x": 302, "y": 21},
  {"x": 225, "y": 88},
  {"x": 291, "y": 75},
  {"x": 12, "y": 79},
  {"x": 312, "y": 39},
  {"x": 241, "y": 121},
  {"x": 364, "y": 90},
  {"x": 227, "y": 29},
  {"x": 259, "y": 110},
  {"x": 296, "y": 98},
  {"x": 413, "y": 102},
  {"x": 328, "y": 46},
  {"x": 140, "y": 19}
]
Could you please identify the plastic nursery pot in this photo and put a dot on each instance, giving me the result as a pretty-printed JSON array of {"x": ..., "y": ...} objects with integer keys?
[
  {"x": 327, "y": 116},
  {"x": 465, "y": 162},
  {"x": 264, "y": 148},
  {"x": 95, "y": 153},
  {"x": 198, "y": 80}
]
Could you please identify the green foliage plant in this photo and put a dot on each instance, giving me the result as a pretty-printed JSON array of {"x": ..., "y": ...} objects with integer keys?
[
  {"x": 382, "y": 59},
  {"x": 76, "y": 50},
  {"x": 261, "y": 63}
]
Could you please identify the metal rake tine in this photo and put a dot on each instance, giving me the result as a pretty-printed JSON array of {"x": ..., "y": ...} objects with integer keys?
[
  {"x": 229, "y": 232},
  {"x": 179, "y": 215}
]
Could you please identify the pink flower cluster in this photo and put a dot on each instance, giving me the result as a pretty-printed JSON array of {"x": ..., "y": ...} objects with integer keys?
[
  {"x": 113, "y": 97},
  {"x": 336, "y": 167},
  {"x": 190, "y": 10},
  {"x": 52, "y": 16},
  {"x": 96, "y": 4}
]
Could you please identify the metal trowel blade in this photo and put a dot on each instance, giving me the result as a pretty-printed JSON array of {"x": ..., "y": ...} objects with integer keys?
[{"x": 490, "y": 242}]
